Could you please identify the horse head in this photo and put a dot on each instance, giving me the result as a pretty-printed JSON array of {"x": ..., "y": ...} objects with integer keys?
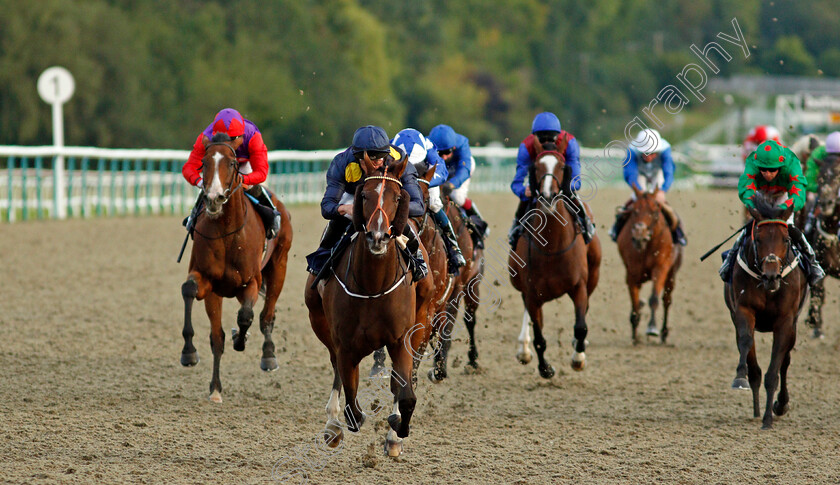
[
  {"x": 380, "y": 209},
  {"x": 549, "y": 168},
  {"x": 770, "y": 240},
  {"x": 220, "y": 171},
  {"x": 644, "y": 215},
  {"x": 424, "y": 181},
  {"x": 829, "y": 184}
]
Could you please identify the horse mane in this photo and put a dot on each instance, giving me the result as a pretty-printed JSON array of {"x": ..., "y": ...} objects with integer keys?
[
  {"x": 401, "y": 217},
  {"x": 221, "y": 138},
  {"x": 358, "y": 209},
  {"x": 766, "y": 207}
]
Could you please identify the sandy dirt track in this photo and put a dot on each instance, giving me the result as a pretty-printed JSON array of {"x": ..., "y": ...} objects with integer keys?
[{"x": 91, "y": 390}]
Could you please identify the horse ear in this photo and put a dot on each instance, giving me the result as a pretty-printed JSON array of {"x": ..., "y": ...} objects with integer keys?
[
  {"x": 367, "y": 165},
  {"x": 205, "y": 140},
  {"x": 538, "y": 148},
  {"x": 430, "y": 173},
  {"x": 636, "y": 191},
  {"x": 754, "y": 213},
  {"x": 786, "y": 214},
  {"x": 399, "y": 168}
]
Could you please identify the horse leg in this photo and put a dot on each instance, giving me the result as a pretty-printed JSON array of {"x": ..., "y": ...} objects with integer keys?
[
  {"x": 653, "y": 302},
  {"x": 333, "y": 434},
  {"x": 523, "y": 353},
  {"x": 666, "y": 302},
  {"x": 348, "y": 369},
  {"x": 744, "y": 325},
  {"x": 780, "y": 407},
  {"x": 471, "y": 300},
  {"x": 194, "y": 288},
  {"x": 754, "y": 373},
  {"x": 378, "y": 362},
  {"x": 783, "y": 341},
  {"x": 213, "y": 307},
  {"x": 535, "y": 312},
  {"x": 274, "y": 276},
  {"x": 404, "y": 398},
  {"x": 247, "y": 297},
  {"x": 815, "y": 309},
  {"x": 439, "y": 372},
  {"x": 581, "y": 301},
  {"x": 635, "y": 311}
]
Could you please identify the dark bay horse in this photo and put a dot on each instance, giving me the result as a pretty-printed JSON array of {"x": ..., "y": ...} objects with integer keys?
[
  {"x": 649, "y": 254},
  {"x": 465, "y": 287},
  {"x": 227, "y": 260},
  {"x": 558, "y": 263},
  {"x": 824, "y": 236},
  {"x": 767, "y": 292},
  {"x": 368, "y": 302}
]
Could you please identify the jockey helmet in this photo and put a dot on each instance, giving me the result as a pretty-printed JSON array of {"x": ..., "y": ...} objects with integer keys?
[
  {"x": 832, "y": 142},
  {"x": 763, "y": 133},
  {"x": 650, "y": 141},
  {"x": 370, "y": 139},
  {"x": 229, "y": 121},
  {"x": 545, "y": 122},
  {"x": 413, "y": 143},
  {"x": 443, "y": 136},
  {"x": 772, "y": 155}
]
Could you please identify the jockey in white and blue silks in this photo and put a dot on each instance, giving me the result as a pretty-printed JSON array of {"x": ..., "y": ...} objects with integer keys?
[
  {"x": 649, "y": 166},
  {"x": 423, "y": 154}
]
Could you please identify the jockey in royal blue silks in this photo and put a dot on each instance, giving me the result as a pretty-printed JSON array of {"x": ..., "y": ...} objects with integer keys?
[
  {"x": 423, "y": 154},
  {"x": 344, "y": 175},
  {"x": 546, "y": 131},
  {"x": 650, "y": 167},
  {"x": 454, "y": 149}
]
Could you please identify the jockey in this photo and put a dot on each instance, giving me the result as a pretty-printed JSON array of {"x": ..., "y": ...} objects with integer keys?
[
  {"x": 546, "y": 131},
  {"x": 253, "y": 165},
  {"x": 423, "y": 155},
  {"x": 344, "y": 175},
  {"x": 757, "y": 135},
  {"x": 649, "y": 166},
  {"x": 774, "y": 169},
  {"x": 454, "y": 149},
  {"x": 812, "y": 172}
]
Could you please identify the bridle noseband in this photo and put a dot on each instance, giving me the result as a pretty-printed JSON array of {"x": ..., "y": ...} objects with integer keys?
[
  {"x": 786, "y": 269},
  {"x": 379, "y": 208},
  {"x": 230, "y": 190}
]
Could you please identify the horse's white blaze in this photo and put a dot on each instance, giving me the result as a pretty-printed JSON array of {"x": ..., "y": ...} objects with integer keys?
[
  {"x": 524, "y": 351},
  {"x": 550, "y": 162},
  {"x": 333, "y": 406},
  {"x": 380, "y": 221},
  {"x": 216, "y": 184}
]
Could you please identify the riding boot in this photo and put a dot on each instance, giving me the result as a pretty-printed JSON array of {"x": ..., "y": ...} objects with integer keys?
[
  {"x": 189, "y": 222},
  {"x": 729, "y": 256},
  {"x": 335, "y": 229},
  {"x": 586, "y": 225},
  {"x": 815, "y": 271},
  {"x": 419, "y": 270},
  {"x": 484, "y": 229},
  {"x": 453, "y": 252},
  {"x": 268, "y": 212},
  {"x": 516, "y": 228}
]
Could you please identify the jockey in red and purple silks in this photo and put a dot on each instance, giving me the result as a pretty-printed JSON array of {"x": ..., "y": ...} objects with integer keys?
[{"x": 252, "y": 155}]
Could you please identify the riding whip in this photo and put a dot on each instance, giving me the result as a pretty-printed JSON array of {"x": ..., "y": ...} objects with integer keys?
[{"x": 709, "y": 253}]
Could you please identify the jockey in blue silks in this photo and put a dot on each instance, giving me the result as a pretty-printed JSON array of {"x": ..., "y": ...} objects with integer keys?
[
  {"x": 649, "y": 167},
  {"x": 423, "y": 154},
  {"x": 454, "y": 149},
  {"x": 345, "y": 174},
  {"x": 546, "y": 131}
]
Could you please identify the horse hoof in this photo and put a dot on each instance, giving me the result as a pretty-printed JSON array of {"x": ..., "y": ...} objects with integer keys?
[
  {"x": 818, "y": 334},
  {"x": 652, "y": 332},
  {"x": 333, "y": 435},
  {"x": 740, "y": 383},
  {"x": 578, "y": 361},
  {"x": 523, "y": 357},
  {"x": 189, "y": 360},
  {"x": 239, "y": 344},
  {"x": 216, "y": 397},
  {"x": 377, "y": 371},
  {"x": 268, "y": 364},
  {"x": 767, "y": 426},
  {"x": 780, "y": 410},
  {"x": 393, "y": 445},
  {"x": 547, "y": 372}
]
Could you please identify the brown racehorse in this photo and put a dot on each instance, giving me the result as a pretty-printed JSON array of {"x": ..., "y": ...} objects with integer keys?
[
  {"x": 429, "y": 318},
  {"x": 649, "y": 254},
  {"x": 558, "y": 263},
  {"x": 824, "y": 237},
  {"x": 368, "y": 302},
  {"x": 758, "y": 300},
  {"x": 465, "y": 286},
  {"x": 226, "y": 260}
]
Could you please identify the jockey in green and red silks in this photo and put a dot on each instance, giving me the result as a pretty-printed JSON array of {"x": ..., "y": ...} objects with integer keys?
[
  {"x": 252, "y": 155},
  {"x": 775, "y": 170}
]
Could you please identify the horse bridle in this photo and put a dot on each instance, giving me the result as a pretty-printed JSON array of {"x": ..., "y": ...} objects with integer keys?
[
  {"x": 385, "y": 178},
  {"x": 786, "y": 269},
  {"x": 230, "y": 190}
]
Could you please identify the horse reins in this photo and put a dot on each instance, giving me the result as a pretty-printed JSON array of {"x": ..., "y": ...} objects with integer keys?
[
  {"x": 379, "y": 208},
  {"x": 786, "y": 270}
]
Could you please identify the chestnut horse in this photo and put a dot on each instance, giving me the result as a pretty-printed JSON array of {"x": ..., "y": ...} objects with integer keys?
[
  {"x": 824, "y": 237},
  {"x": 557, "y": 263},
  {"x": 758, "y": 300},
  {"x": 465, "y": 286},
  {"x": 368, "y": 302},
  {"x": 649, "y": 254},
  {"x": 227, "y": 261}
]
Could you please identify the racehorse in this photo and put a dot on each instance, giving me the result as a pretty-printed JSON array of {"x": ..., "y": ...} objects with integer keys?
[
  {"x": 465, "y": 286},
  {"x": 558, "y": 262},
  {"x": 649, "y": 254},
  {"x": 758, "y": 300},
  {"x": 227, "y": 260},
  {"x": 367, "y": 302},
  {"x": 825, "y": 236},
  {"x": 429, "y": 319},
  {"x": 803, "y": 148}
]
